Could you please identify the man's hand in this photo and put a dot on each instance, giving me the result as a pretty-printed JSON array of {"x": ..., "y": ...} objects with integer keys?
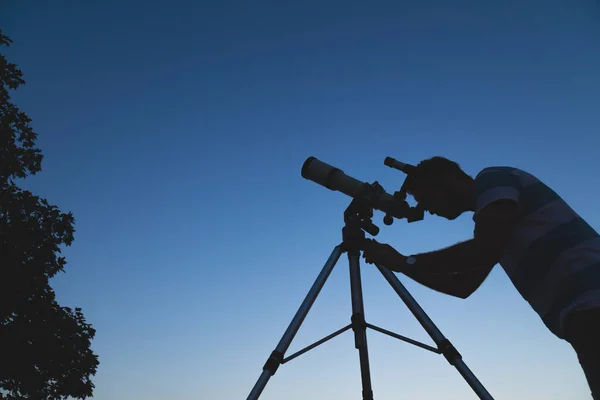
[{"x": 383, "y": 254}]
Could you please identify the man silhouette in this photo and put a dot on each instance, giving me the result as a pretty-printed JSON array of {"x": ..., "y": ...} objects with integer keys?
[{"x": 549, "y": 252}]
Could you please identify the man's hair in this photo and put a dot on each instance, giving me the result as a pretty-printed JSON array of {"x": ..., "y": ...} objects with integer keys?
[{"x": 431, "y": 171}]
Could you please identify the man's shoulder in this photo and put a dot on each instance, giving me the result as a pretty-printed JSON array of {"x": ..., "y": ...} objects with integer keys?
[
  {"x": 502, "y": 170},
  {"x": 496, "y": 177}
]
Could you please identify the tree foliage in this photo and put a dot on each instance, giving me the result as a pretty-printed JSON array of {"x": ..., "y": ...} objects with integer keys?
[{"x": 44, "y": 348}]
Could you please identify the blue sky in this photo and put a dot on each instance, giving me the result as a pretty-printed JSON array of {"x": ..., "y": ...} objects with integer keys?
[{"x": 175, "y": 132}]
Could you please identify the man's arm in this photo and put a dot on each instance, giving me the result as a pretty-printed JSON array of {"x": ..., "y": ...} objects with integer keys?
[
  {"x": 461, "y": 257},
  {"x": 493, "y": 229},
  {"x": 461, "y": 284},
  {"x": 460, "y": 269}
]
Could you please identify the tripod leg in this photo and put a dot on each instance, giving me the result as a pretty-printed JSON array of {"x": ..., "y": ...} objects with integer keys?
[
  {"x": 276, "y": 356},
  {"x": 358, "y": 323},
  {"x": 444, "y": 345}
]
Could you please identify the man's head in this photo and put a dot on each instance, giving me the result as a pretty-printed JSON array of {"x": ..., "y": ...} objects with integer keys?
[{"x": 441, "y": 187}]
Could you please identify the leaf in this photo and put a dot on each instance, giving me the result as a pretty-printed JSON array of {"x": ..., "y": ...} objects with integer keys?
[{"x": 45, "y": 349}]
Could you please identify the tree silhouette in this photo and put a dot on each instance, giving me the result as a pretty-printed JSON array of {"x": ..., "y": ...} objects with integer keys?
[{"x": 44, "y": 348}]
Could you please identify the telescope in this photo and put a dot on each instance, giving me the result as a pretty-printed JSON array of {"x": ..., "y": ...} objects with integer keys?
[
  {"x": 366, "y": 197},
  {"x": 371, "y": 195}
]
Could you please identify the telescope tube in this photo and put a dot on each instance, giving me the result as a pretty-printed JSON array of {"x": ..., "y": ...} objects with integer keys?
[{"x": 336, "y": 180}]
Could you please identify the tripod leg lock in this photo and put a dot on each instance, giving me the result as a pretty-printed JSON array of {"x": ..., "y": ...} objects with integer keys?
[
  {"x": 358, "y": 321},
  {"x": 358, "y": 326},
  {"x": 273, "y": 362},
  {"x": 449, "y": 351}
]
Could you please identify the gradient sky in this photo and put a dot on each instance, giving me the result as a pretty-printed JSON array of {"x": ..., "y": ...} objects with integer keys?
[{"x": 175, "y": 132}]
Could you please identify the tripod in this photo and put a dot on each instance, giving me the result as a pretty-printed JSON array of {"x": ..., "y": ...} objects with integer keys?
[{"x": 357, "y": 218}]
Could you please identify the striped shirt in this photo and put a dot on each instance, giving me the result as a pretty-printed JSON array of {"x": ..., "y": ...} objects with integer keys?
[{"x": 553, "y": 256}]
